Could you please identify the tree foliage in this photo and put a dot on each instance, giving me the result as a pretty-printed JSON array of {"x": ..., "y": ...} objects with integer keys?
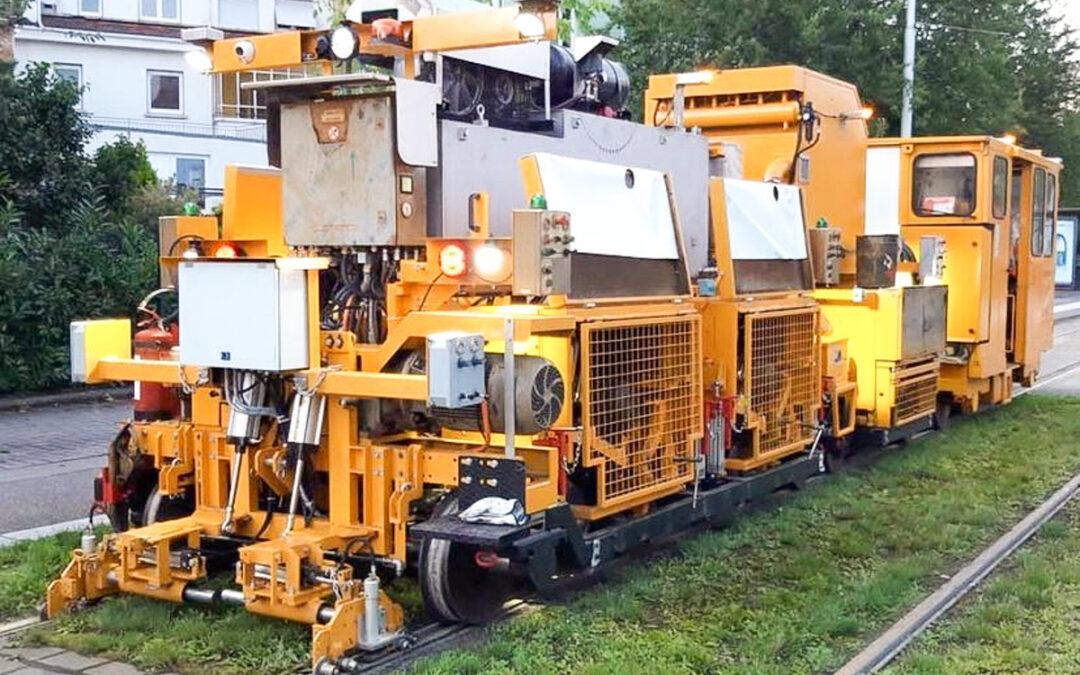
[
  {"x": 121, "y": 170},
  {"x": 42, "y": 138},
  {"x": 67, "y": 251},
  {"x": 982, "y": 67},
  {"x": 48, "y": 278}
]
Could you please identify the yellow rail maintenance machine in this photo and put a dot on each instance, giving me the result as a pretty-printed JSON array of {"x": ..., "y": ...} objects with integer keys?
[
  {"x": 474, "y": 322},
  {"x": 453, "y": 329},
  {"x": 931, "y": 255}
]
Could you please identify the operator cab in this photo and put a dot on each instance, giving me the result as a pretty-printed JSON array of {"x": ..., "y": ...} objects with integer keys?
[{"x": 987, "y": 206}]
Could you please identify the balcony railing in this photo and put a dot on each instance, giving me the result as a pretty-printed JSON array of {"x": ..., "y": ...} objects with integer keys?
[{"x": 231, "y": 130}]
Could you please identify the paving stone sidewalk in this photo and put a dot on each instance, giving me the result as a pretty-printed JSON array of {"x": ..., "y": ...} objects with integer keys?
[{"x": 49, "y": 660}]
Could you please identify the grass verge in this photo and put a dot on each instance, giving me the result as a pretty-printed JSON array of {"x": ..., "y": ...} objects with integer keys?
[
  {"x": 160, "y": 636},
  {"x": 801, "y": 587},
  {"x": 793, "y": 589},
  {"x": 27, "y": 567},
  {"x": 1023, "y": 619}
]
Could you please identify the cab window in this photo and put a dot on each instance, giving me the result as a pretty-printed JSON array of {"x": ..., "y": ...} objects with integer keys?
[
  {"x": 1001, "y": 185},
  {"x": 944, "y": 185},
  {"x": 1038, "y": 213}
]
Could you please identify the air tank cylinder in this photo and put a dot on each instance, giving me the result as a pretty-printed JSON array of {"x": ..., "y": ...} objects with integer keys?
[{"x": 306, "y": 422}]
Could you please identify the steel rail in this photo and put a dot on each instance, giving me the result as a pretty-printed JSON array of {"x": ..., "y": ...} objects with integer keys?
[{"x": 889, "y": 644}]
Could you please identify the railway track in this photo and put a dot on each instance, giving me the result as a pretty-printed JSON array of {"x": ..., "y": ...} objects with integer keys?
[{"x": 892, "y": 642}]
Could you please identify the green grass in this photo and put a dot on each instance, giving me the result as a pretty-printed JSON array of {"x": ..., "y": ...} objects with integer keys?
[
  {"x": 160, "y": 636},
  {"x": 800, "y": 588},
  {"x": 797, "y": 588},
  {"x": 1024, "y": 619},
  {"x": 27, "y": 567}
]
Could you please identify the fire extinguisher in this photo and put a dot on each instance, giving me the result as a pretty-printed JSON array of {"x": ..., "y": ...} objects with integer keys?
[{"x": 155, "y": 340}]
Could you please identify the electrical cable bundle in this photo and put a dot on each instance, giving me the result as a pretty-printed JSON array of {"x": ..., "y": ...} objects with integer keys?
[{"x": 357, "y": 301}]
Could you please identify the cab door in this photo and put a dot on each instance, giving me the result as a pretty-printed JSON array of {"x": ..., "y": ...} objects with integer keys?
[{"x": 1035, "y": 212}]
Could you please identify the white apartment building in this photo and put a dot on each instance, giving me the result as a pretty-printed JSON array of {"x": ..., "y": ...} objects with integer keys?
[{"x": 129, "y": 58}]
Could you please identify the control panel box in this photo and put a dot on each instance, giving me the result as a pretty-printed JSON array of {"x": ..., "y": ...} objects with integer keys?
[
  {"x": 826, "y": 250},
  {"x": 541, "y": 252},
  {"x": 455, "y": 369},
  {"x": 249, "y": 315},
  {"x": 343, "y": 183}
]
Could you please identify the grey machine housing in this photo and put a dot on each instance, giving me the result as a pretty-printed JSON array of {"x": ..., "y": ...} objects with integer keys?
[{"x": 443, "y": 162}]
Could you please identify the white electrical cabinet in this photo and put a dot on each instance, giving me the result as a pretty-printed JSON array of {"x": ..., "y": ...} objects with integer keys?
[{"x": 249, "y": 315}]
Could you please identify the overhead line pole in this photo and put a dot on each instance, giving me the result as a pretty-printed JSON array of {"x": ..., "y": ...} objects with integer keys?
[{"x": 909, "y": 70}]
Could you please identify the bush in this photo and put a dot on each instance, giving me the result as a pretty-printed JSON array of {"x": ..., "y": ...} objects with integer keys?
[
  {"x": 121, "y": 171},
  {"x": 150, "y": 202},
  {"x": 94, "y": 269},
  {"x": 78, "y": 237}
]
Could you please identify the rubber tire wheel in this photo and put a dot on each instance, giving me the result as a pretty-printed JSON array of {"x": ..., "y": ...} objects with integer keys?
[
  {"x": 159, "y": 508},
  {"x": 454, "y": 588}
]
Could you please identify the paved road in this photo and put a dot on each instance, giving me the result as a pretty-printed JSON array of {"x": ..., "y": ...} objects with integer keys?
[
  {"x": 48, "y": 459},
  {"x": 1061, "y": 365}
]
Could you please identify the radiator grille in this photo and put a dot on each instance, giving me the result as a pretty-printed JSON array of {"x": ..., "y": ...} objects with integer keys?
[
  {"x": 916, "y": 390},
  {"x": 781, "y": 379},
  {"x": 641, "y": 404}
]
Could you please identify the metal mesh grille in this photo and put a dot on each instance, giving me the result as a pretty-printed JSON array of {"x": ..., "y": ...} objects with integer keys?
[
  {"x": 916, "y": 391},
  {"x": 641, "y": 403},
  {"x": 782, "y": 375}
]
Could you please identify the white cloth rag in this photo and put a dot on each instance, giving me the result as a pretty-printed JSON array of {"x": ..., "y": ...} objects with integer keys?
[{"x": 495, "y": 511}]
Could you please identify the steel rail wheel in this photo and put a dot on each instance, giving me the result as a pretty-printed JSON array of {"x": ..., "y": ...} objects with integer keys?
[
  {"x": 457, "y": 581},
  {"x": 159, "y": 508}
]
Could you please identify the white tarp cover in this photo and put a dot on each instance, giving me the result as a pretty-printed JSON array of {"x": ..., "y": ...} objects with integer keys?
[
  {"x": 765, "y": 220},
  {"x": 606, "y": 216}
]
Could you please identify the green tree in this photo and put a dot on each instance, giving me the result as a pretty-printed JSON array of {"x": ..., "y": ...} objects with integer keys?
[
  {"x": 49, "y": 278},
  {"x": 63, "y": 254},
  {"x": 983, "y": 66},
  {"x": 42, "y": 141},
  {"x": 121, "y": 170}
]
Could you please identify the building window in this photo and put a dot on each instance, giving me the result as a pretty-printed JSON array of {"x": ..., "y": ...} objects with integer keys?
[
  {"x": 162, "y": 10},
  {"x": 90, "y": 7},
  {"x": 190, "y": 173},
  {"x": 164, "y": 92},
  {"x": 238, "y": 14},
  {"x": 69, "y": 72},
  {"x": 1001, "y": 185},
  {"x": 232, "y": 101},
  {"x": 944, "y": 185}
]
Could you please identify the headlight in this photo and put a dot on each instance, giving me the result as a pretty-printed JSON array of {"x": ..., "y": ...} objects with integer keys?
[
  {"x": 491, "y": 263},
  {"x": 197, "y": 59},
  {"x": 529, "y": 25},
  {"x": 343, "y": 43}
]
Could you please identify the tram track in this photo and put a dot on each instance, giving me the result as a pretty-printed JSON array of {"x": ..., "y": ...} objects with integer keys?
[{"x": 889, "y": 644}]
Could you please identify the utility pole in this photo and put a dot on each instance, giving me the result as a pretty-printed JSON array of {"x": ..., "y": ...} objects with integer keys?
[{"x": 909, "y": 70}]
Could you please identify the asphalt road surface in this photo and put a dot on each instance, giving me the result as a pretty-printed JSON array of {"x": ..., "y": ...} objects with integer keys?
[
  {"x": 48, "y": 459},
  {"x": 49, "y": 456}
]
